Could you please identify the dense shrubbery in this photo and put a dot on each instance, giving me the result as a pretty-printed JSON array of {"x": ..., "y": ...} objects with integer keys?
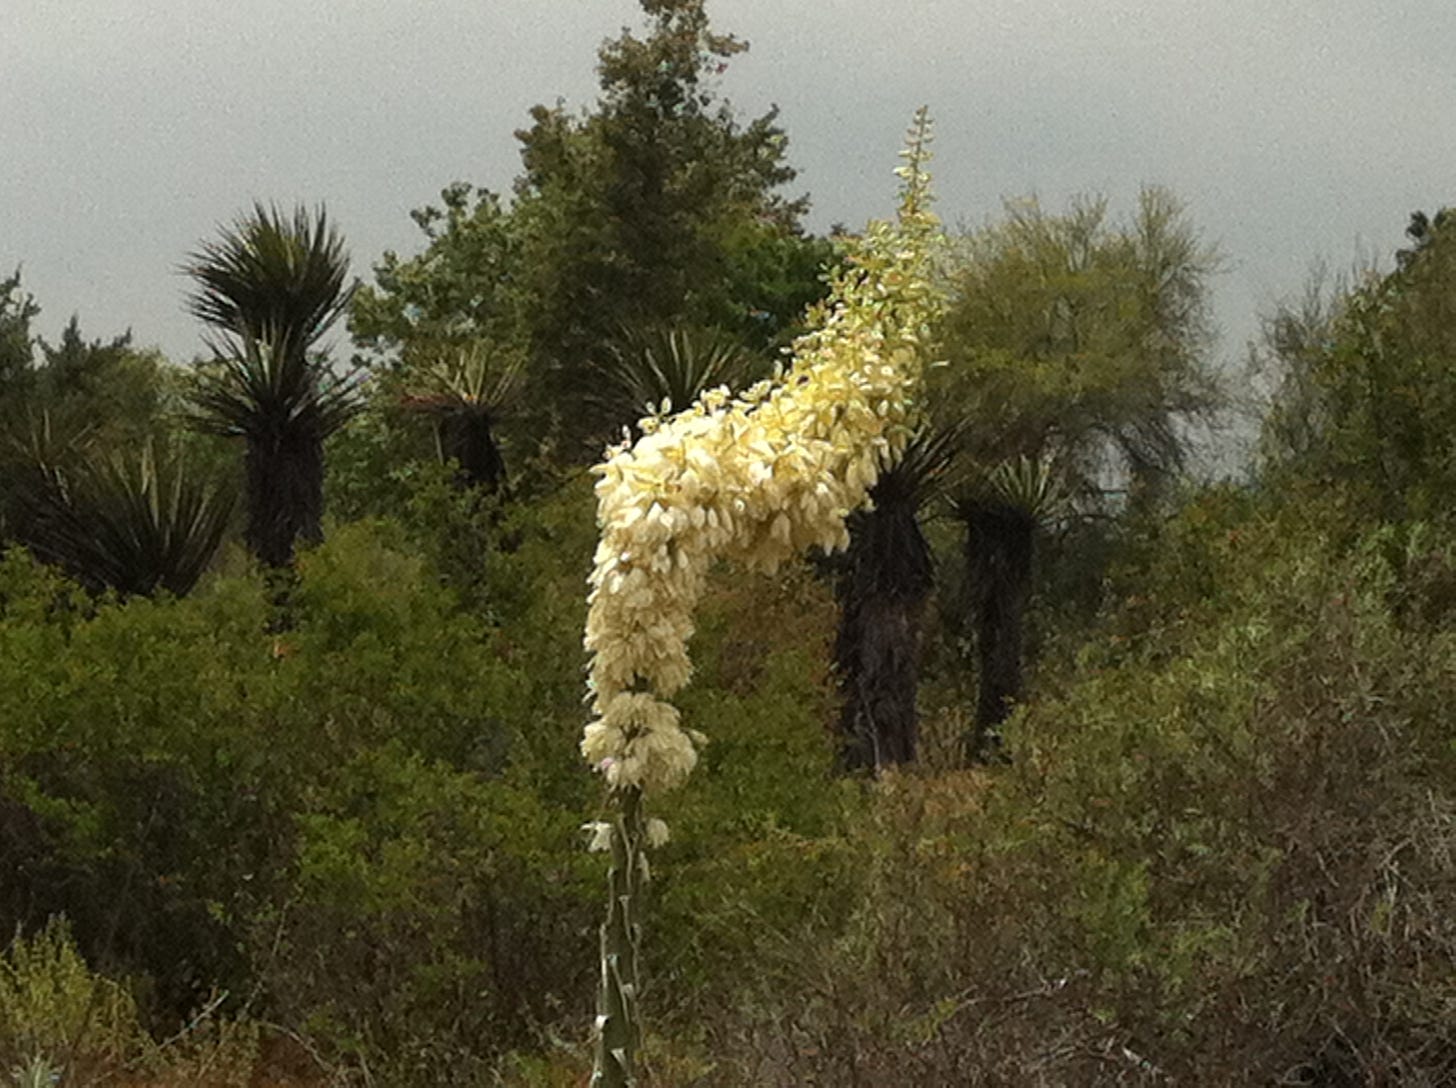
[{"x": 1220, "y": 853}]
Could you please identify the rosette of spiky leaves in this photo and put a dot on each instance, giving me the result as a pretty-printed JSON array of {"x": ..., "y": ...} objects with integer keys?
[
  {"x": 1033, "y": 487},
  {"x": 283, "y": 405},
  {"x": 270, "y": 288},
  {"x": 883, "y": 581},
  {"x": 656, "y": 369},
  {"x": 466, "y": 394},
  {"x": 1002, "y": 509},
  {"x": 272, "y": 277},
  {"x": 132, "y": 521}
]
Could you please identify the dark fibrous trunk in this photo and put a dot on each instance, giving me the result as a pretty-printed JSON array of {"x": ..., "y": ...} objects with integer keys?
[
  {"x": 884, "y": 580},
  {"x": 999, "y": 545},
  {"x": 469, "y": 441},
  {"x": 285, "y": 494}
]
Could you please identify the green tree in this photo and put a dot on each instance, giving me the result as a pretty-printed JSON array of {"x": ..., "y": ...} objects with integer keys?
[
  {"x": 1077, "y": 348},
  {"x": 270, "y": 288},
  {"x": 108, "y": 388},
  {"x": 1366, "y": 403},
  {"x": 464, "y": 288},
  {"x": 657, "y": 208},
  {"x": 17, "y": 342}
]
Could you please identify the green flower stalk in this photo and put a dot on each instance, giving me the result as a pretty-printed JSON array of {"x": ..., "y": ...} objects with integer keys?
[
  {"x": 758, "y": 479},
  {"x": 619, "y": 1035}
]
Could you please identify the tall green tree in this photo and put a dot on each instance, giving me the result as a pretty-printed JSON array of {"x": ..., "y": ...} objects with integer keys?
[
  {"x": 633, "y": 211},
  {"x": 269, "y": 288},
  {"x": 1077, "y": 347},
  {"x": 106, "y": 387},
  {"x": 1366, "y": 404},
  {"x": 659, "y": 207}
]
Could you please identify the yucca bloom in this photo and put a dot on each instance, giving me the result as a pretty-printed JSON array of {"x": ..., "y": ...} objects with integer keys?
[{"x": 755, "y": 478}]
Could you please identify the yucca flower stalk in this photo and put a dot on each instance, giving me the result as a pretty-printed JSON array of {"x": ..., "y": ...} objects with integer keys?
[{"x": 757, "y": 478}]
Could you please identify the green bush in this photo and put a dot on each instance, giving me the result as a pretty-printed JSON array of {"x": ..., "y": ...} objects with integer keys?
[{"x": 1220, "y": 854}]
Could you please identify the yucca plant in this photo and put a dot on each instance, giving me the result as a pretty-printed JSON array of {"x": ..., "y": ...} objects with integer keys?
[
  {"x": 656, "y": 369},
  {"x": 1002, "y": 509},
  {"x": 883, "y": 582},
  {"x": 270, "y": 288},
  {"x": 465, "y": 395},
  {"x": 131, "y": 521}
]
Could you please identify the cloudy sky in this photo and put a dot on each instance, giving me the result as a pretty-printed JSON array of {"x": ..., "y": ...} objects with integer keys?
[{"x": 1294, "y": 129}]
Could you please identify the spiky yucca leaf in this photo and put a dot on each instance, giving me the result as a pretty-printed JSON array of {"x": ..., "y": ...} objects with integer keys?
[
  {"x": 1030, "y": 487},
  {"x": 664, "y": 368},
  {"x": 263, "y": 389},
  {"x": 270, "y": 278},
  {"x": 470, "y": 380},
  {"x": 465, "y": 394},
  {"x": 131, "y": 522}
]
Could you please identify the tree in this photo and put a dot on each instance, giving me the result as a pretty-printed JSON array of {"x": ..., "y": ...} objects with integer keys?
[
  {"x": 657, "y": 208},
  {"x": 17, "y": 342},
  {"x": 465, "y": 288},
  {"x": 465, "y": 396},
  {"x": 1078, "y": 357},
  {"x": 882, "y": 582},
  {"x": 106, "y": 387},
  {"x": 270, "y": 287},
  {"x": 1366, "y": 406}
]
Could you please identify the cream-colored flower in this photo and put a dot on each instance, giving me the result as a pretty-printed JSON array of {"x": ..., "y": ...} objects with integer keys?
[{"x": 757, "y": 479}]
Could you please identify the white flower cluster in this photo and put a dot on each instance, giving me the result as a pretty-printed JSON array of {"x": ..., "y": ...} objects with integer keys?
[{"x": 756, "y": 479}]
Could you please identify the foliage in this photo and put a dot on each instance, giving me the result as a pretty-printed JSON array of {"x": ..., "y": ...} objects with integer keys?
[
  {"x": 270, "y": 288},
  {"x": 658, "y": 207},
  {"x": 100, "y": 385},
  {"x": 52, "y": 1006},
  {"x": 1220, "y": 855},
  {"x": 134, "y": 522},
  {"x": 661, "y": 369},
  {"x": 1077, "y": 340},
  {"x": 17, "y": 341},
  {"x": 1077, "y": 362},
  {"x": 464, "y": 288},
  {"x": 1364, "y": 404}
]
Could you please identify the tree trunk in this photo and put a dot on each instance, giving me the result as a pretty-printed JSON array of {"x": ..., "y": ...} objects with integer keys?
[
  {"x": 884, "y": 580},
  {"x": 285, "y": 495},
  {"x": 468, "y": 440},
  {"x": 999, "y": 546}
]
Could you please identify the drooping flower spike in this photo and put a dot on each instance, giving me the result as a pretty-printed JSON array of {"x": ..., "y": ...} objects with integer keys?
[{"x": 754, "y": 479}]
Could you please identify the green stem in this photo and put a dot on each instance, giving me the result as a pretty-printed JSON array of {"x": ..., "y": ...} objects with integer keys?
[{"x": 619, "y": 1034}]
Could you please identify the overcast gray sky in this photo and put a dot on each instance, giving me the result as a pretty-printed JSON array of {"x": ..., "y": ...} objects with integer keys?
[{"x": 1294, "y": 129}]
